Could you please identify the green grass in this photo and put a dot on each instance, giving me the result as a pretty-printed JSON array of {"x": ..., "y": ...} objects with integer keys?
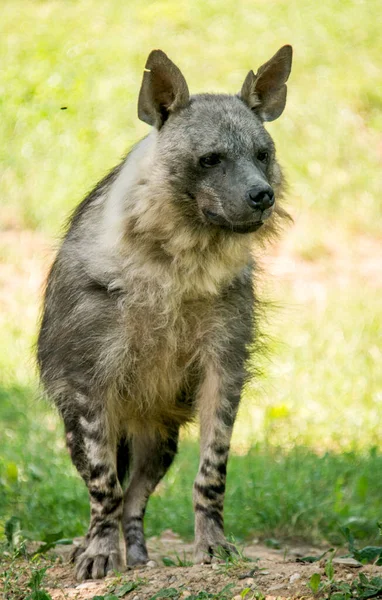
[
  {"x": 306, "y": 450},
  {"x": 323, "y": 382},
  {"x": 270, "y": 492},
  {"x": 88, "y": 56}
]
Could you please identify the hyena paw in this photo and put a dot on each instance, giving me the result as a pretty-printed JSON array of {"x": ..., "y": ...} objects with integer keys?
[
  {"x": 136, "y": 555},
  {"x": 207, "y": 549},
  {"x": 97, "y": 560}
]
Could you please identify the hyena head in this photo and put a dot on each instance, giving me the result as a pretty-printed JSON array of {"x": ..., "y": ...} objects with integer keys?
[{"x": 215, "y": 153}]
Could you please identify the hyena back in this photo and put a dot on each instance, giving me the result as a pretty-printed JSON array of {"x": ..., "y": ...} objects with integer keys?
[{"x": 149, "y": 307}]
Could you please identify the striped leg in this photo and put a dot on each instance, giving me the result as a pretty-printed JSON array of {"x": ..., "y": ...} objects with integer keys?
[
  {"x": 95, "y": 458},
  {"x": 151, "y": 459},
  {"x": 217, "y": 416}
]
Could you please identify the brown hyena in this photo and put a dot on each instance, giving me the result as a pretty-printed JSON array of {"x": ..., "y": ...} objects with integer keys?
[{"x": 150, "y": 309}]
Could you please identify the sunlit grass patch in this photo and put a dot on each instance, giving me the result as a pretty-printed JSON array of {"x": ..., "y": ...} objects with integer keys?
[
  {"x": 88, "y": 60},
  {"x": 322, "y": 384}
]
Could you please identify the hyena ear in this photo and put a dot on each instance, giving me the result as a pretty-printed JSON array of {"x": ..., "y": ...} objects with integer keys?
[
  {"x": 266, "y": 92},
  {"x": 164, "y": 90}
]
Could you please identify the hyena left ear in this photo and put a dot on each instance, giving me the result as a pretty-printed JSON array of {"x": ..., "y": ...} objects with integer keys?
[
  {"x": 164, "y": 90},
  {"x": 266, "y": 92}
]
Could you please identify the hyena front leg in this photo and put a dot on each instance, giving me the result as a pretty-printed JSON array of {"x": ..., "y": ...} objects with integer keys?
[
  {"x": 94, "y": 455},
  {"x": 151, "y": 456},
  {"x": 217, "y": 409}
]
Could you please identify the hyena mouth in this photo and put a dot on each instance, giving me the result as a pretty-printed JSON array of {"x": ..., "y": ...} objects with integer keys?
[
  {"x": 266, "y": 214},
  {"x": 221, "y": 222}
]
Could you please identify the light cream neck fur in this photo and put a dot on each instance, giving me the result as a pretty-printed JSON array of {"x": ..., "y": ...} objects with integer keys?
[{"x": 152, "y": 239}]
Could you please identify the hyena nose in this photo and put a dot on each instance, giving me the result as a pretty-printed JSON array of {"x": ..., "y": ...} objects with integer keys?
[{"x": 260, "y": 198}]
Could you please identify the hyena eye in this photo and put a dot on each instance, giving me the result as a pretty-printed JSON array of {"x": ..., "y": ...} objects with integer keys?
[
  {"x": 262, "y": 156},
  {"x": 209, "y": 160}
]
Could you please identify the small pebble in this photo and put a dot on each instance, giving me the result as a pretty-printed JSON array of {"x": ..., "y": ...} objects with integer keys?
[
  {"x": 348, "y": 562},
  {"x": 294, "y": 577},
  {"x": 185, "y": 594},
  {"x": 215, "y": 566},
  {"x": 86, "y": 584},
  {"x": 151, "y": 564}
]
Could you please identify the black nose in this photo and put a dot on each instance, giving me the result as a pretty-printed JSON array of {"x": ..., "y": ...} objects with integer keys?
[{"x": 260, "y": 198}]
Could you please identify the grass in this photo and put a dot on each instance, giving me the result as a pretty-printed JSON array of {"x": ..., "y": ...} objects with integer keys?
[
  {"x": 270, "y": 492},
  {"x": 89, "y": 58},
  {"x": 19, "y": 584},
  {"x": 331, "y": 588},
  {"x": 306, "y": 450}
]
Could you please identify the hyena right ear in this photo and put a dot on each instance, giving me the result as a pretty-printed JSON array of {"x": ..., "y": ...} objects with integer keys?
[
  {"x": 265, "y": 93},
  {"x": 164, "y": 90}
]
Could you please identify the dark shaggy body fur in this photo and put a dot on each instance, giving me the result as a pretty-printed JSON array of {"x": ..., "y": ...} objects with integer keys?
[{"x": 149, "y": 308}]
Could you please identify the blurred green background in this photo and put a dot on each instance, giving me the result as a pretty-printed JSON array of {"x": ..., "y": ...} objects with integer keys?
[{"x": 307, "y": 445}]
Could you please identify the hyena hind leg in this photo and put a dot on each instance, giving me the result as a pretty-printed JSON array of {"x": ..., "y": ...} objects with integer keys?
[
  {"x": 94, "y": 455},
  {"x": 151, "y": 458}
]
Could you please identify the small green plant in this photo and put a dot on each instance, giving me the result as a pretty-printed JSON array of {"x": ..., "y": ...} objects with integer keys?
[
  {"x": 37, "y": 593},
  {"x": 314, "y": 583},
  {"x": 224, "y": 594},
  {"x": 16, "y": 539},
  {"x": 178, "y": 561},
  {"x": 254, "y": 595},
  {"x": 120, "y": 589},
  {"x": 175, "y": 594},
  {"x": 361, "y": 588},
  {"x": 167, "y": 593},
  {"x": 231, "y": 560},
  {"x": 368, "y": 587},
  {"x": 126, "y": 588},
  {"x": 258, "y": 596},
  {"x": 368, "y": 554},
  {"x": 329, "y": 569},
  {"x": 313, "y": 559},
  {"x": 14, "y": 536}
]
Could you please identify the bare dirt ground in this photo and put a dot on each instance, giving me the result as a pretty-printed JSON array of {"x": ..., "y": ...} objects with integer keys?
[{"x": 271, "y": 574}]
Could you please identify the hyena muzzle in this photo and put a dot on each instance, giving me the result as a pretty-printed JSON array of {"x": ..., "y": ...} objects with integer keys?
[{"x": 150, "y": 310}]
